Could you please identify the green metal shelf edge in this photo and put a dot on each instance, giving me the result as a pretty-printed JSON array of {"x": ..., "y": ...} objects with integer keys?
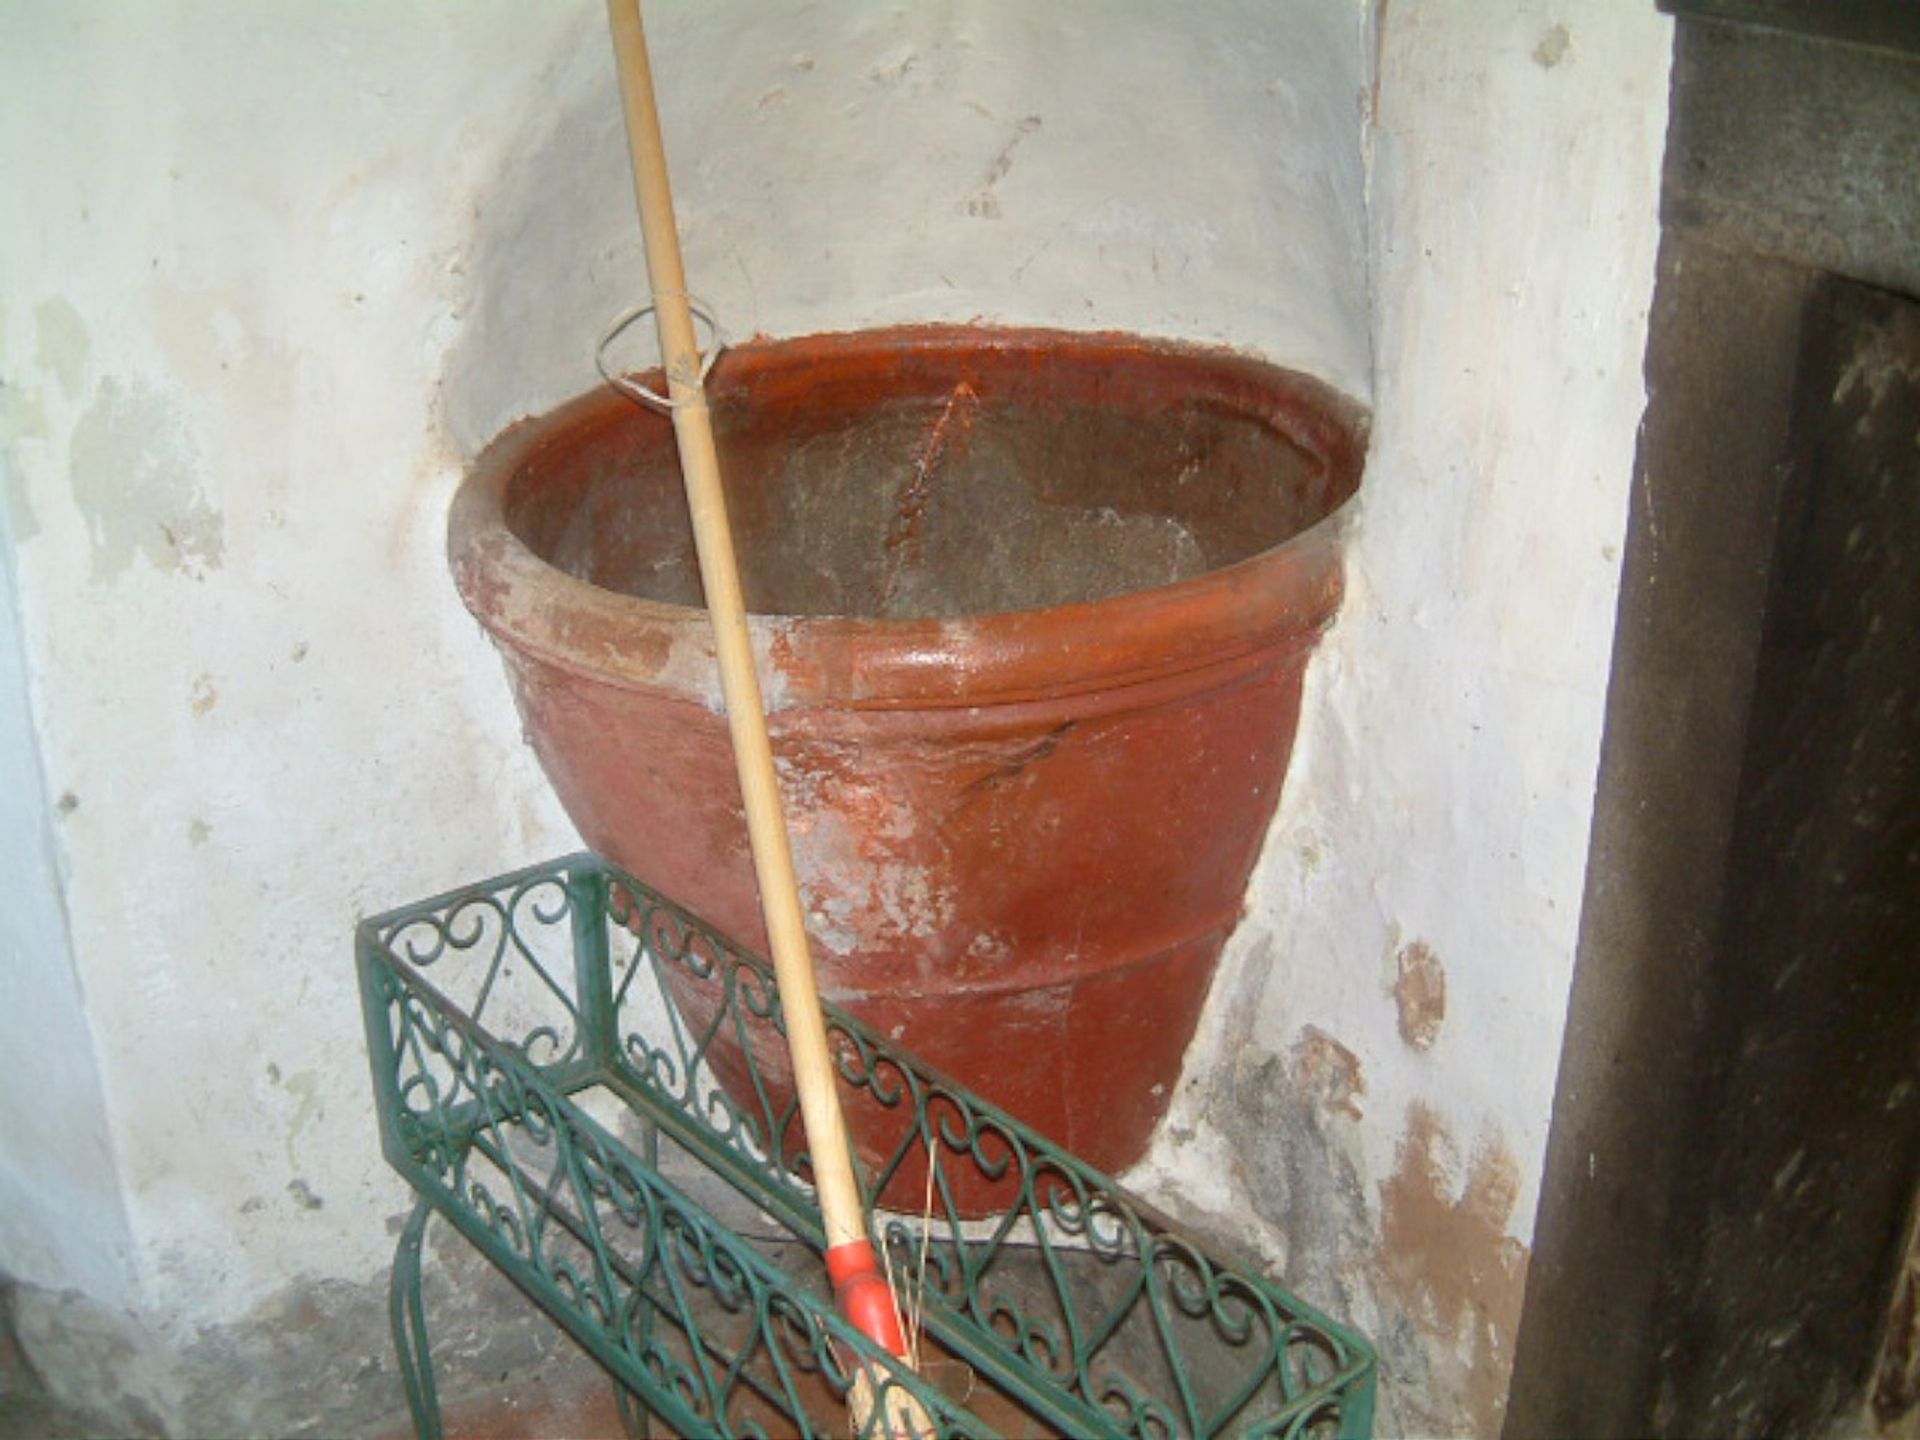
[{"x": 1057, "y": 1364}]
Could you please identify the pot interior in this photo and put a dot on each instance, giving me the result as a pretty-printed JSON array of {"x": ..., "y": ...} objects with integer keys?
[{"x": 940, "y": 482}]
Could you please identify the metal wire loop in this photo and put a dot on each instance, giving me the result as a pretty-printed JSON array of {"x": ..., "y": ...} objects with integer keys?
[{"x": 717, "y": 341}]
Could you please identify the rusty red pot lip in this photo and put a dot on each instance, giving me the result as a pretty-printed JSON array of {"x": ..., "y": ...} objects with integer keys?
[{"x": 1284, "y": 595}]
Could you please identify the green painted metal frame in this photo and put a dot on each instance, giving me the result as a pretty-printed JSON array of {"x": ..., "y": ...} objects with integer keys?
[{"x": 500, "y": 1014}]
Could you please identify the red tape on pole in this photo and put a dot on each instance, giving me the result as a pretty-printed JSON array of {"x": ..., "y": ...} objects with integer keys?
[{"x": 864, "y": 1295}]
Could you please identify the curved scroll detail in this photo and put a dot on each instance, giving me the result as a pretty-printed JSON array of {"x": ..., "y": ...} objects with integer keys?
[{"x": 1094, "y": 1312}]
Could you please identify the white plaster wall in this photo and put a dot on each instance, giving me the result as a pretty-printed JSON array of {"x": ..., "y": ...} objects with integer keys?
[
  {"x": 1442, "y": 788},
  {"x": 268, "y": 274},
  {"x": 62, "y": 1223},
  {"x": 231, "y": 271},
  {"x": 1515, "y": 198}
]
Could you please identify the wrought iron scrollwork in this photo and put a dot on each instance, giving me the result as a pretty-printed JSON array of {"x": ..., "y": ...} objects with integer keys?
[{"x": 1077, "y": 1302}]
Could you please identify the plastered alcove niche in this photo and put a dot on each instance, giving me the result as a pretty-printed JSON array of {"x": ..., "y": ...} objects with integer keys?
[{"x": 839, "y": 168}]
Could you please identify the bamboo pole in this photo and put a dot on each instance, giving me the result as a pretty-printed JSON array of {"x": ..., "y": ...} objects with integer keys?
[{"x": 863, "y": 1293}]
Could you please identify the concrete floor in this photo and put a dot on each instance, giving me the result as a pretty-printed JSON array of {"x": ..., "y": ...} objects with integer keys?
[
  {"x": 567, "y": 1398},
  {"x": 30, "y": 1417},
  {"x": 25, "y": 1412}
]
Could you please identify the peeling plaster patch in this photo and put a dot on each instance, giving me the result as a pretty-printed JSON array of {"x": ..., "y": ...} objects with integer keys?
[
  {"x": 861, "y": 877},
  {"x": 1328, "y": 1074},
  {"x": 892, "y": 68},
  {"x": 989, "y": 948},
  {"x": 305, "y": 1087},
  {"x": 1552, "y": 48},
  {"x": 1420, "y": 992},
  {"x": 1447, "y": 1258},
  {"x": 303, "y": 1195},
  {"x": 1312, "y": 851},
  {"x": 1303, "y": 1180},
  {"x": 135, "y": 478},
  {"x": 21, "y": 418},
  {"x": 204, "y": 695},
  {"x": 1295, "y": 1149},
  {"x": 63, "y": 344},
  {"x": 983, "y": 204},
  {"x": 1427, "y": 1269}
]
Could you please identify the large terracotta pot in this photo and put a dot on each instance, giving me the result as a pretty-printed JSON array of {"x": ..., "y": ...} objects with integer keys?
[{"x": 1032, "y": 611}]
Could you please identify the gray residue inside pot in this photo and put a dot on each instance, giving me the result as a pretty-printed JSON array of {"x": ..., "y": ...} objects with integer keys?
[{"x": 956, "y": 507}]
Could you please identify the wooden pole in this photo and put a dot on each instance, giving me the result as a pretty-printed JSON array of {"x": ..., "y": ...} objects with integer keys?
[{"x": 863, "y": 1293}]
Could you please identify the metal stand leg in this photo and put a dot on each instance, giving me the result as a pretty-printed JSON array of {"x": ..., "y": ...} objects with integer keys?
[
  {"x": 410, "y": 1326},
  {"x": 635, "y": 1418}
]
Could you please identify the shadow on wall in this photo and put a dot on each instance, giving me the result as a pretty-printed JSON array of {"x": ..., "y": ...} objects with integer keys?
[{"x": 554, "y": 255}]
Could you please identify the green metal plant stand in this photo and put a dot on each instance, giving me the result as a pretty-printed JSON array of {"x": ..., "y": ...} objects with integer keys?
[{"x": 549, "y": 1046}]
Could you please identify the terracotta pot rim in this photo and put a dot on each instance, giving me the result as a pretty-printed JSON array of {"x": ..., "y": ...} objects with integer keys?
[{"x": 1193, "y": 625}]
